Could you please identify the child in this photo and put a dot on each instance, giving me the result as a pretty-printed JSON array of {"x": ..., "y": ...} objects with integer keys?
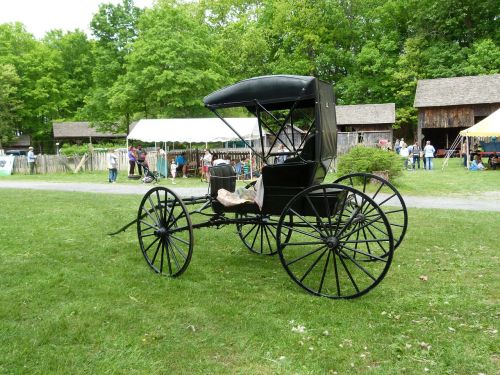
[{"x": 173, "y": 170}]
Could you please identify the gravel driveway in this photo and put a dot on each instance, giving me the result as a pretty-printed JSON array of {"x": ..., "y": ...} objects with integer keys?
[{"x": 489, "y": 201}]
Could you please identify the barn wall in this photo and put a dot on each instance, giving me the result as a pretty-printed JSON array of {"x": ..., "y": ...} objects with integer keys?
[{"x": 448, "y": 119}]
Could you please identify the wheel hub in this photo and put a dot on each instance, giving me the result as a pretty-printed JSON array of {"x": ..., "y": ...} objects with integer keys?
[
  {"x": 161, "y": 232},
  {"x": 359, "y": 218},
  {"x": 332, "y": 242}
]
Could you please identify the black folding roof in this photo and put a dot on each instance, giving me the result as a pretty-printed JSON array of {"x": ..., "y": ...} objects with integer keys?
[{"x": 276, "y": 91}]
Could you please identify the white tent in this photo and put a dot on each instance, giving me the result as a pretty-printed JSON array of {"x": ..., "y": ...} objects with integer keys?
[{"x": 194, "y": 130}]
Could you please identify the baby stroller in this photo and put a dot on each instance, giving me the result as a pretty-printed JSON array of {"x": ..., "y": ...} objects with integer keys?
[{"x": 149, "y": 176}]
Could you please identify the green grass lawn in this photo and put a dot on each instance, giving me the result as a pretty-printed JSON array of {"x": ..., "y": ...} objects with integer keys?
[{"x": 74, "y": 300}]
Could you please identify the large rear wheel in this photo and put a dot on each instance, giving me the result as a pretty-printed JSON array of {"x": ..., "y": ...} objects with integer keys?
[
  {"x": 335, "y": 241},
  {"x": 165, "y": 232}
]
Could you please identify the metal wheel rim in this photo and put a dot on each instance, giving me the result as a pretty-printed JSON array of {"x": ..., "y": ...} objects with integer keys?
[
  {"x": 165, "y": 232},
  {"x": 347, "y": 271}
]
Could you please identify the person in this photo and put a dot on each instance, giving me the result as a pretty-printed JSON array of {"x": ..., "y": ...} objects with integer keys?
[
  {"x": 181, "y": 163},
  {"x": 477, "y": 164},
  {"x": 404, "y": 153},
  {"x": 280, "y": 159},
  {"x": 173, "y": 170},
  {"x": 416, "y": 155},
  {"x": 161, "y": 163},
  {"x": 493, "y": 161},
  {"x": 463, "y": 152},
  {"x": 397, "y": 147},
  {"x": 31, "y": 157},
  {"x": 141, "y": 158},
  {"x": 112, "y": 166},
  {"x": 132, "y": 158},
  {"x": 246, "y": 169},
  {"x": 238, "y": 168},
  {"x": 206, "y": 162},
  {"x": 429, "y": 154}
]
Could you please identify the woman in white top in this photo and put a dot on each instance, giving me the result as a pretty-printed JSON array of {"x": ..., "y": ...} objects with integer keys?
[{"x": 428, "y": 155}]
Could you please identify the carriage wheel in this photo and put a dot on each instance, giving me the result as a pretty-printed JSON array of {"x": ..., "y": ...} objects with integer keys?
[
  {"x": 339, "y": 243},
  {"x": 386, "y": 196},
  {"x": 165, "y": 232},
  {"x": 259, "y": 234}
]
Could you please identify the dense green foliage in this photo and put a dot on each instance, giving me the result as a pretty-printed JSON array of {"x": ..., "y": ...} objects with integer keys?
[
  {"x": 162, "y": 61},
  {"x": 369, "y": 160}
]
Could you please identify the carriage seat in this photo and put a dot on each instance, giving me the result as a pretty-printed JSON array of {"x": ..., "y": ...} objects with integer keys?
[
  {"x": 308, "y": 151},
  {"x": 222, "y": 176},
  {"x": 283, "y": 181}
]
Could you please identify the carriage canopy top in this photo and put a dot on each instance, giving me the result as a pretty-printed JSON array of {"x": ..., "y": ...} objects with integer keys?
[{"x": 286, "y": 92}]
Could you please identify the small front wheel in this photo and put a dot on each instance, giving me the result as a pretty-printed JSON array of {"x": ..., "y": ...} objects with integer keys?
[{"x": 165, "y": 232}]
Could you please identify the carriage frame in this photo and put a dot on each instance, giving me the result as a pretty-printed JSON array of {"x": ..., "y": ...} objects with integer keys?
[{"x": 334, "y": 239}]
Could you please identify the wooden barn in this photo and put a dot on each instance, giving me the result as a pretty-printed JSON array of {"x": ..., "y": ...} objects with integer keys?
[
  {"x": 365, "y": 124},
  {"x": 448, "y": 105},
  {"x": 366, "y": 117},
  {"x": 81, "y": 132}
]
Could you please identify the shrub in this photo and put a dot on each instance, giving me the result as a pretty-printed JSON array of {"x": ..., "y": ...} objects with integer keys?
[{"x": 369, "y": 160}]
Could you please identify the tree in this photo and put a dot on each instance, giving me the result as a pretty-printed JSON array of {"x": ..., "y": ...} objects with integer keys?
[
  {"x": 171, "y": 67},
  {"x": 115, "y": 27},
  {"x": 10, "y": 104},
  {"x": 73, "y": 54}
]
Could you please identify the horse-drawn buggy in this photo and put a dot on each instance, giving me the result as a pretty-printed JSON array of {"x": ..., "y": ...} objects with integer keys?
[{"x": 333, "y": 239}]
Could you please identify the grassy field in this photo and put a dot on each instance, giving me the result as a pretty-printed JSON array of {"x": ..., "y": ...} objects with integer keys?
[
  {"x": 453, "y": 180},
  {"x": 74, "y": 300}
]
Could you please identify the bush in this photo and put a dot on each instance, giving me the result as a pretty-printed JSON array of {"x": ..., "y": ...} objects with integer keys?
[{"x": 369, "y": 160}]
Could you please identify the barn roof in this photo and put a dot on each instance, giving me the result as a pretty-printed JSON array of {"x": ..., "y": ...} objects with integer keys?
[
  {"x": 80, "y": 130},
  {"x": 366, "y": 114},
  {"x": 443, "y": 92}
]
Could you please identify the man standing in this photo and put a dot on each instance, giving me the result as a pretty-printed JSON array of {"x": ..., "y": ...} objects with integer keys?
[
  {"x": 141, "y": 159},
  {"x": 112, "y": 166},
  {"x": 429, "y": 154},
  {"x": 31, "y": 160},
  {"x": 180, "y": 161},
  {"x": 416, "y": 155}
]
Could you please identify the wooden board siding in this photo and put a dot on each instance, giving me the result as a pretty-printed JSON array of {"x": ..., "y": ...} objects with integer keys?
[
  {"x": 446, "y": 117},
  {"x": 453, "y": 117}
]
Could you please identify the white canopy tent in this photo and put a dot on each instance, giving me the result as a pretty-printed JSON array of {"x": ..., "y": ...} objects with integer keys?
[
  {"x": 488, "y": 127},
  {"x": 194, "y": 130}
]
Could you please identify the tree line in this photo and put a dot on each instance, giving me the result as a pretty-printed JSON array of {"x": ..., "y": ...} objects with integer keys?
[{"x": 161, "y": 61}]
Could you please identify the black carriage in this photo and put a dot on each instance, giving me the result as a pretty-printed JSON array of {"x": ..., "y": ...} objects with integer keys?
[{"x": 333, "y": 239}]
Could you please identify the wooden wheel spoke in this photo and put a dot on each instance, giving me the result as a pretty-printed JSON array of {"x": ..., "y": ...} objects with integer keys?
[
  {"x": 370, "y": 255},
  {"x": 305, "y": 255},
  {"x": 349, "y": 275},
  {"x": 358, "y": 265},
  {"x": 325, "y": 268},
  {"x": 313, "y": 265}
]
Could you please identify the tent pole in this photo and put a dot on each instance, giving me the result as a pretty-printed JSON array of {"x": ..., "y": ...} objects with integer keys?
[{"x": 251, "y": 166}]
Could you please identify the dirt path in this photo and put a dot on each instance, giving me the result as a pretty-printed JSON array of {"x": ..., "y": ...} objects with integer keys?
[{"x": 489, "y": 201}]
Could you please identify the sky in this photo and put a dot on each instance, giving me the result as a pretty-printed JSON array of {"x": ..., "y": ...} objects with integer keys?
[{"x": 40, "y": 16}]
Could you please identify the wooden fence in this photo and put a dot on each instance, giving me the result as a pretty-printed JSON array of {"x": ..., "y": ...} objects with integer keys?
[{"x": 97, "y": 160}]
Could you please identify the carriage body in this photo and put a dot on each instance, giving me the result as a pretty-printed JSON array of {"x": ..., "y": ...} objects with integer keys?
[
  {"x": 333, "y": 239},
  {"x": 278, "y": 102}
]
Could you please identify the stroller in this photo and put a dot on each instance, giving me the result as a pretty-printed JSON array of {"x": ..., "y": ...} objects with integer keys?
[{"x": 149, "y": 176}]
